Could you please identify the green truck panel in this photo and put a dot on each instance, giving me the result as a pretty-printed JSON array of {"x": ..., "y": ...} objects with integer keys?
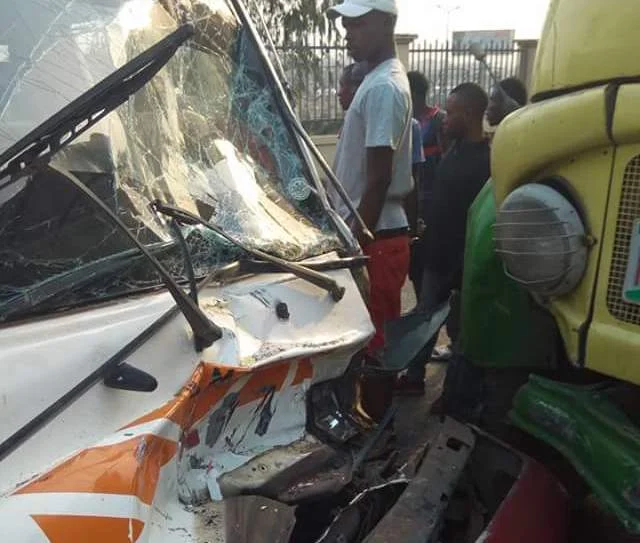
[
  {"x": 500, "y": 324},
  {"x": 599, "y": 440}
]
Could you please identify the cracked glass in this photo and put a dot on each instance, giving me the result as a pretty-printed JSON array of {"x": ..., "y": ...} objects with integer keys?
[{"x": 205, "y": 134}]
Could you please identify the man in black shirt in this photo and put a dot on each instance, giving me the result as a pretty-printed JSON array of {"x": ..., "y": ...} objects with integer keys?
[
  {"x": 461, "y": 174},
  {"x": 511, "y": 95}
]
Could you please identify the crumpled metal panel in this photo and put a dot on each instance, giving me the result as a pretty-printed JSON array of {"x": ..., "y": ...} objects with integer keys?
[
  {"x": 597, "y": 438},
  {"x": 117, "y": 490},
  {"x": 417, "y": 515},
  {"x": 306, "y": 469}
]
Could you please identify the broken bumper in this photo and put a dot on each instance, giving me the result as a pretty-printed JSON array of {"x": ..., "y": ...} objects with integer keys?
[{"x": 509, "y": 497}]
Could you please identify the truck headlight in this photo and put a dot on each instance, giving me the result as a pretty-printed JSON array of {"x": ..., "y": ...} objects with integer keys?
[{"x": 542, "y": 241}]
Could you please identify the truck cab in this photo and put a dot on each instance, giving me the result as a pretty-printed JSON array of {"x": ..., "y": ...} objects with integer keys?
[
  {"x": 553, "y": 250},
  {"x": 578, "y": 138}
]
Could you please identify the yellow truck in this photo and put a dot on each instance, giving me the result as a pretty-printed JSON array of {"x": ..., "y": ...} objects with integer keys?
[{"x": 552, "y": 265}]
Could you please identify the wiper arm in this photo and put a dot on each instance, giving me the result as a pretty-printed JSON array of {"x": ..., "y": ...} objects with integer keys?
[
  {"x": 36, "y": 149},
  {"x": 71, "y": 280},
  {"x": 319, "y": 279},
  {"x": 205, "y": 332}
]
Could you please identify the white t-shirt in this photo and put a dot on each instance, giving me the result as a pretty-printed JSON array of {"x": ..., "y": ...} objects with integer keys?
[{"x": 379, "y": 116}]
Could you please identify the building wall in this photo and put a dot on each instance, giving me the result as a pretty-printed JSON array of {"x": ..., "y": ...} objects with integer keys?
[{"x": 326, "y": 144}]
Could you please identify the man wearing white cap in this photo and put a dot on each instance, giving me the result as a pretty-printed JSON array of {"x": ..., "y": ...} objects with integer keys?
[{"x": 373, "y": 157}]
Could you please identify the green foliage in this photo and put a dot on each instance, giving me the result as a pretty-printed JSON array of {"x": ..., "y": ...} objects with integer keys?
[
  {"x": 297, "y": 22},
  {"x": 302, "y": 34}
]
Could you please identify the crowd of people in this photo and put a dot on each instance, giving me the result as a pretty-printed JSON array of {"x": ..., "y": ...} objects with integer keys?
[{"x": 411, "y": 169}]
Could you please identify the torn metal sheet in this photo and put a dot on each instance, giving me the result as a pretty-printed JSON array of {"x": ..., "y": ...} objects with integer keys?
[
  {"x": 306, "y": 468},
  {"x": 364, "y": 512},
  {"x": 123, "y": 481},
  {"x": 418, "y": 513},
  {"x": 253, "y": 519},
  {"x": 582, "y": 422}
]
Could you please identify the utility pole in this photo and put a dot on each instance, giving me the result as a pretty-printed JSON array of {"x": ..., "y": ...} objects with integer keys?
[{"x": 448, "y": 10}]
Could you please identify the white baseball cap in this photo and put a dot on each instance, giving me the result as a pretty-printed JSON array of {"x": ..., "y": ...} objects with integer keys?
[{"x": 358, "y": 8}]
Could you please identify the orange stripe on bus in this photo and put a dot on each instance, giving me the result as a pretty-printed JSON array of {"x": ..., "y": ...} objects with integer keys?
[
  {"x": 262, "y": 382},
  {"x": 208, "y": 384},
  {"x": 78, "y": 529},
  {"x": 214, "y": 383},
  {"x": 131, "y": 468}
]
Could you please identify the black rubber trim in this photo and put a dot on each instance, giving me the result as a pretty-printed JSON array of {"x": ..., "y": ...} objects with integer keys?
[
  {"x": 258, "y": 266},
  {"x": 548, "y": 95},
  {"x": 610, "y": 100},
  {"x": 37, "y": 423}
]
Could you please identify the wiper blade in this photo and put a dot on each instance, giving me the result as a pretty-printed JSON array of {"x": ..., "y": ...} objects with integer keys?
[
  {"x": 89, "y": 108},
  {"x": 36, "y": 149},
  {"x": 319, "y": 279},
  {"x": 351, "y": 262},
  {"x": 74, "y": 279}
]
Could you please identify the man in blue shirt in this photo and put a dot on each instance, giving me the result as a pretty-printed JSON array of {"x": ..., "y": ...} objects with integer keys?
[
  {"x": 431, "y": 140},
  {"x": 412, "y": 206}
]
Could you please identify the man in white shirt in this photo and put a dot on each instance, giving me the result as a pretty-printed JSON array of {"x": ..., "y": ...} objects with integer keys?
[{"x": 373, "y": 157}]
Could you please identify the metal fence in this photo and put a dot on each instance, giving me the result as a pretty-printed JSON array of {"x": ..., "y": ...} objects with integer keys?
[
  {"x": 314, "y": 77},
  {"x": 447, "y": 65},
  {"x": 314, "y": 72}
]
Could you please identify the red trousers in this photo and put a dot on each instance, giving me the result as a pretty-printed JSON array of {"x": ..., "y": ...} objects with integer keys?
[{"x": 388, "y": 267}]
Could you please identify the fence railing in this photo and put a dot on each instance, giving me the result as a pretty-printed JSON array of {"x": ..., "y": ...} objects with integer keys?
[
  {"x": 314, "y": 81},
  {"x": 315, "y": 78},
  {"x": 448, "y": 65}
]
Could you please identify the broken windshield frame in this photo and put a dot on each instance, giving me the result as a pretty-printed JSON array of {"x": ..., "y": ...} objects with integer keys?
[
  {"x": 219, "y": 147},
  {"x": 319, "y": 279},
  {"x": 33, "y": 153}
]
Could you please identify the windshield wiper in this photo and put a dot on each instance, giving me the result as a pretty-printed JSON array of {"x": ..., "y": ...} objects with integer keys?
[
  {"x": 35, "y": 150},
  {"x": 59, "y": 130},
  {"x": 319, "y": 279},
  {"x": 73, "y": 280}
]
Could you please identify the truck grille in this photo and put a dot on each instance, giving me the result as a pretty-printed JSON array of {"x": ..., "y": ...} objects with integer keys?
[{"x": 628, "y": 212}]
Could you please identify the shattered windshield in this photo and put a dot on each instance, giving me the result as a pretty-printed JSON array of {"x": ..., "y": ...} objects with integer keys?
[{"x": 205, "y": 134}]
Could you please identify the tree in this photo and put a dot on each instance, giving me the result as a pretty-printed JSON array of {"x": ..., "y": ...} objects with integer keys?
[
  {"x": 305, "y": 40},
  {"x": 294, "y": 23}
]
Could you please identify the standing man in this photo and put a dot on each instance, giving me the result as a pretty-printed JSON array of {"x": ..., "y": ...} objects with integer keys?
[
  {"x": 412, "y": 204},
  {"x": 373, "y": 156},
  {"x": 463, "y": 171},
  {"x": 511, "y": 96},
  {"x": 351, "y": 78},
  {"x": 431, "y": 120}
]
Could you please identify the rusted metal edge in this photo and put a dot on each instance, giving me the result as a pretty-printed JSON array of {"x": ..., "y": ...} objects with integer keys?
[{"x": 416, "y": 516}]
